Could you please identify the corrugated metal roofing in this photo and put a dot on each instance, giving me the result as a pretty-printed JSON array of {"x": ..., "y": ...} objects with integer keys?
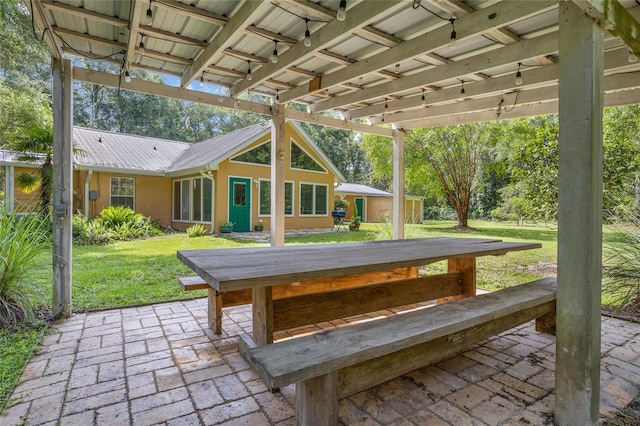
[
  {"x": 108, "y": 150},
  {"x": 212, "y": 151},
  {"x": 359, "y": 189}
]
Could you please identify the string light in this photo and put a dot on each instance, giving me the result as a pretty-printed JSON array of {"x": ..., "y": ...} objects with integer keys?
[
  {"x": 386, "y": 106},
  {"x": 149, "y": 18},
  {"x": 249, "y": 76},
  {"x": 274, "y": 55},
  {"x": 454, "y": 37},
  {"x": 632, "y": 57},
  {"x": 519, "y": 75},
  {"x": 307, "y": 34},
  {"x": 127, "y": 77},
  {"x": 423, "y": 100},
  {"x": 202, "y": 79},
  {"x": 416, "y": 3},
  {"x": 462, "y": 91},
  {"x": 342, "y": 11},
  {"x": 141, "y": 45},
  {"x": 277, "y": 95}
]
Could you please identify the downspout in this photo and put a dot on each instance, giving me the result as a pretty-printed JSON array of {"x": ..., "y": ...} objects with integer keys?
[
  {"x": 209, "y": 174},
  {"x": 86, "y": 192}
]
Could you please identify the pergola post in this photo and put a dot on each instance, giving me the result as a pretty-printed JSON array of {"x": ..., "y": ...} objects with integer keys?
[
  {"x": 577, "y": 393},
  {"x": 398, "y": 184},
  {"x": 278, "y": 156},
  {"x": 62, "y": 185},
  {"x": 9, "y": 189}
]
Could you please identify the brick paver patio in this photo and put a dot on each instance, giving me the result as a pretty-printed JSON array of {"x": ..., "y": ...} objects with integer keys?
[{"x": 160, "y": 364}]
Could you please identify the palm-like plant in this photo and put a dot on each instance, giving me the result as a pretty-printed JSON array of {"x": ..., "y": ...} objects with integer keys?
[{"x": 35, "y": 145}]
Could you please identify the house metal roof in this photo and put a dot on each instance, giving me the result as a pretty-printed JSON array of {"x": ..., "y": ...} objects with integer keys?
[
  {"x": 98, "y": 149},
  {"x": 212, "y": 151},
  {"x": 387, "y": 62},
  {"x": 359, "y": 189}
]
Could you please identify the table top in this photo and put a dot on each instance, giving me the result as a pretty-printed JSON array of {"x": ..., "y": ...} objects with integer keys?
[{"x": 241, "y": 268}]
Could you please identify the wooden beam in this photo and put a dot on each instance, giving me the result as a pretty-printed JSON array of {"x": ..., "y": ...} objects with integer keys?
[
  {"x": 132, "y": 38},
  {"x": 506, "y": 55},
  {"x": 335, "y": 57},
  {"x": 269, "y": 35},
  {"x": 358, "y": 16},
  {"x": 192, "y": 11},
  {"x": 613, "y": 17},
  {"x": 377, "y": 36},
  {"x": 227, "y": 36},
  {"x": 75, "y": 52},
  {"x": 40, "y": 19},
  {"x": 467, "y": 27},
  {"x": 84, "y": 13},
  {"x": 279, "y": 154},
  {"x": 159, "y": 89},
  {"x": 244, "y": 56},
  {"x": 169, "y": 36},
  {"x": 398, "y": 202},
  {"x": 89, "y": 38},
  {"x": 546, "y": 75},
  {"x": 322, "y": 120}
]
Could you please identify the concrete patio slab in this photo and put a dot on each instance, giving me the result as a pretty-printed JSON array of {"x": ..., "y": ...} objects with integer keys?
[{"x": 161, "y": 365}]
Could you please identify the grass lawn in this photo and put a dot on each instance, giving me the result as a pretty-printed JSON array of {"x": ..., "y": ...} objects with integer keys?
[{"x": 145, "y": 271}]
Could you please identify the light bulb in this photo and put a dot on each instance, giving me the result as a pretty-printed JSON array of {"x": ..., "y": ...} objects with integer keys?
[
  {"x": 274, "y": 57},
  {"x": 141, "y": 50},
  {"x": 202, "y": 80},
  {"x": 423, "y": 100},
  {"x": 518, "y": 78},
  {"x": 127, "y": 77},
  {"x": 453, "y": 41},
  {"x": 632, "y": 57},
  {"x": 342, "y": 11},
  {"x": 307, "y": 38},
  {"x": 249, "y": 76},
  {"x": 149, "y": 18}
]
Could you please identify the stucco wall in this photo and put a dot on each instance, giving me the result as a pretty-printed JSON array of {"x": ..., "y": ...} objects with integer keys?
[{"x": 25, "y": 202}]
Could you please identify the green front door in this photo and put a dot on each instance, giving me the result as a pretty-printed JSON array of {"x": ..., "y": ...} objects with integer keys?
[
  {"x": 240, "y": 204},
  {"x": 360, "y": 207}
]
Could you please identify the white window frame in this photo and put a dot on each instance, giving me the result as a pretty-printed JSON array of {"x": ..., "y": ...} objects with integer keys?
[
  {"x": 231, "y": 160},
  {"x": 133, "y": 197},
  {"x": 191, "y": 181},
  {"x": 293, "y": 198},
  {"x": 291, "y": 142},
  {"x": 314, "y": 208}
]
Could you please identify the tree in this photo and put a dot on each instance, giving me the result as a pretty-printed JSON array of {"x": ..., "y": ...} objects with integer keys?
[
  {"x": 454, "y": 155},
  {"x": 379, "y": 152}
]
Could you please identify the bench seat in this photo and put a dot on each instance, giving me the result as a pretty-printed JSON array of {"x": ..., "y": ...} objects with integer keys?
[{"x": 339, "y": 362}]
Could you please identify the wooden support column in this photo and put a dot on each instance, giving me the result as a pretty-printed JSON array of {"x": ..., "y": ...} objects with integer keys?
[
  {"x": 577, "y": 393},
  {"x": 398, "y": 184},
  {"x": 9, "y": 189},
  {"x": 62, "y": 185},
  {"x": 278, "y": 158}
]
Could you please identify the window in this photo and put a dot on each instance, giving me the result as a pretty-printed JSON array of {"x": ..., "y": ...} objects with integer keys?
[
  {"x": 192, "y": 200},
  {"x": 123, "y": 192},
  {"x": 303, "y": 161},
  {"x": 265, "y": 198},
  {"x": 313, "y": 199},
  {"x": 261, "y": 154}
]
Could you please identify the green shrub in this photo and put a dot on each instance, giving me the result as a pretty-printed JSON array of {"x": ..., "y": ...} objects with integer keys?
[
  {"x": 22, "y": 238},
  {"x": 196, "y": 230},
  {"x": 113, "y": 224}
]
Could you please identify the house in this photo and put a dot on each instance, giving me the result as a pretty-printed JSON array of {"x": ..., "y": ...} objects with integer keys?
[
  {"x": 372, "y": 203},
  {"x": 225, "y": 178}
]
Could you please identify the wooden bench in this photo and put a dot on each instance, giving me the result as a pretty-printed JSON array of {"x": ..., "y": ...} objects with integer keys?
[
  {"x": 336, "y": 363},
  {"x": 296, "y": 304}
]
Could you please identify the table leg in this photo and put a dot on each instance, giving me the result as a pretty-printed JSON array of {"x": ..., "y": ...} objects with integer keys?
[
  {"x": 262, "y": 305},
  {"x": 215, "y": 310},
  {"x": 467, "y": 266}
]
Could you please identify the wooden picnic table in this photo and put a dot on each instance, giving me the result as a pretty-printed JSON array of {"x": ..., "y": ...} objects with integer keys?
[{"x": 261, "y": 268}]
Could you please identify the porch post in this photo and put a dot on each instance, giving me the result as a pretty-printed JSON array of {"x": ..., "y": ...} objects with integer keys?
[
  {"x": 62, "y": 184},
  {"x": 398, "y": 184},
  {"x": 577, "y": 393},
  {"x": 9, "y": 189},
  {"x": 278, "y": 157}
]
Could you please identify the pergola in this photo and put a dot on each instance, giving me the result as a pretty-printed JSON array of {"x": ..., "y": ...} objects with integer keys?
[{"x": 410, "y": 64}]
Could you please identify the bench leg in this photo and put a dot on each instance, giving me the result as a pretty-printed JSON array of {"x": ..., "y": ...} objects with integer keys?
[
  {"x": 317, "y": 401},
  {"x": 547, "y": 323},
  {"x": 215, "y": 310}
]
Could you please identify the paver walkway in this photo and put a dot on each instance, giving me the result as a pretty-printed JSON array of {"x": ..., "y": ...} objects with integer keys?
[{"x": 160, "y": 364}]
